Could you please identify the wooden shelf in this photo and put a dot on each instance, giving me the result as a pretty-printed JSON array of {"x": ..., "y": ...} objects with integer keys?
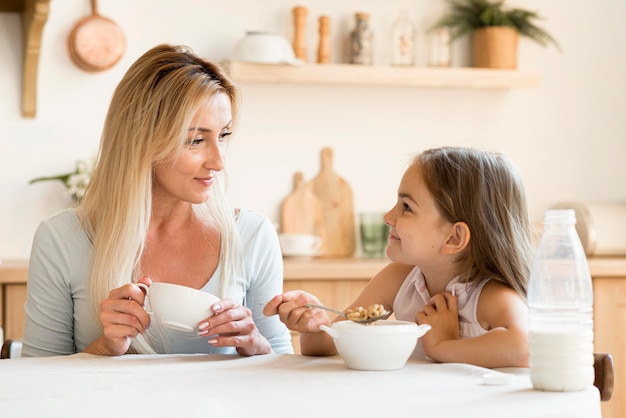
[
  {"x": 34, "y": 17},
  {"x": 348, "y": 74}
]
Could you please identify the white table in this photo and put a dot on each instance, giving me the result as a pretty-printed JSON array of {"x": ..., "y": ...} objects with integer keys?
[{"x": 84, "y": 385}]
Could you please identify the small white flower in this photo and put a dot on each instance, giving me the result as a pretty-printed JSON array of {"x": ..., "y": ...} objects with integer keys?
[{"x": 75, "y": 182}]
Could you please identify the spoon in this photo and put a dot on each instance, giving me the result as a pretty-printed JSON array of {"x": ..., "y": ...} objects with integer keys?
[{"x": 385, "y": 315}]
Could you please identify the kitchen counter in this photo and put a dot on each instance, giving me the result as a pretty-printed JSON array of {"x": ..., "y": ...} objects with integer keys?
[
  {"x": 16, "y": 271},
  {"x": 366, "y": 268}
]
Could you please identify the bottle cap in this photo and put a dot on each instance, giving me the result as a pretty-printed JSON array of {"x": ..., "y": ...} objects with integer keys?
[{"x": 554, "y": 216}]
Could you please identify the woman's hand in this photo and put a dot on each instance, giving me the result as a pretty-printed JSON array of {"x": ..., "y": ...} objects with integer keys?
[
  {"x": 290, "y": 308},
  {"x": 443, "y": 316},
  {"x": 232, "y": 326},
  {"x": 122, "y": 317}
]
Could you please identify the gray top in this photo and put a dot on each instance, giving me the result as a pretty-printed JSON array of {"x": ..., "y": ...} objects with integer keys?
[{"x": 59, "y": 320}]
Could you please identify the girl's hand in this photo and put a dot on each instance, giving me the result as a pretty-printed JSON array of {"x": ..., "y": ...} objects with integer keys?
[
  {"x": 232, "y": 326},
  {"x": 122, "y": 317},
  {"x": 290, "y": 308},
  {"x": 443, "y": 316}
]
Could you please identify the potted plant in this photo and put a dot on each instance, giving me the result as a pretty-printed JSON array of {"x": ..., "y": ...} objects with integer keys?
[{"x": 494, "y": 29}]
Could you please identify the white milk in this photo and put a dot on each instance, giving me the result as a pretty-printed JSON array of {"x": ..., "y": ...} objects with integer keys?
[{"x": 561, "y": 359}]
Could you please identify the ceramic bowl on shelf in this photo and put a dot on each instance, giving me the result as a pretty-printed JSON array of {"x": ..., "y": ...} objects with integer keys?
[
  {"x": 264, "y": 48},
  {"x": 383, "y": 345},
  {"x": 299, "y": 245}
]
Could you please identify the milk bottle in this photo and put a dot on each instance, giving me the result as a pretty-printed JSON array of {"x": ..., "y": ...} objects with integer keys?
[{"x": 560, "y": 298}]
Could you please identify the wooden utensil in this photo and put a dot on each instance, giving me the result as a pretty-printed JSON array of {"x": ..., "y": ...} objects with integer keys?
[
  {"x": 96, "y": 43},
  {"x": 299, "y": 36},
  {"x": 335, "y": 196}
]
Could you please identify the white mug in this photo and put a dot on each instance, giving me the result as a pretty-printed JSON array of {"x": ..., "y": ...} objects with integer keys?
[
  {"x": 177, "y": 306},
  {"x": 300, "y": 244}
]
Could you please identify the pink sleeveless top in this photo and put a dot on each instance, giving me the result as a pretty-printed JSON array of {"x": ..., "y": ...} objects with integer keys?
[{"x": 413, "y": 296}]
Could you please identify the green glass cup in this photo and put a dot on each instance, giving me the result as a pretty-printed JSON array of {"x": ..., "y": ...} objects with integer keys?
[{"x": 374, "y": 234}]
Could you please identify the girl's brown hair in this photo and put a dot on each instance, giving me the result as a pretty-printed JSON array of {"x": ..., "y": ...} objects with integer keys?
[{"x": 485, "y": 191}]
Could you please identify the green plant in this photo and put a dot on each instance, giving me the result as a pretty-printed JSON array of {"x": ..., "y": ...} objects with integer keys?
[{"x": 465, "y": 16}]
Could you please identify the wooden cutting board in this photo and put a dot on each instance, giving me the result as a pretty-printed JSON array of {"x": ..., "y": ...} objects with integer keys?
[
  {"x": 322, "y": 207},
  {"x": 301, "y": 211},
  {"x": 335, "y": 196}
]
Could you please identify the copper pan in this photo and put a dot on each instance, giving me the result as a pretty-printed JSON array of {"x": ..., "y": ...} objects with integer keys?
[{"x": 96, "y": 43}]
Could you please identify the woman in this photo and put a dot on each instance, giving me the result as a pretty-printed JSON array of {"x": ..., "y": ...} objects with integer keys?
[{"x": 156, "y": 210}]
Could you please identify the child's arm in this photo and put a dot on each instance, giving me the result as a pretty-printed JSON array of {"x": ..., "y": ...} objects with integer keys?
[
  {"x": 381, "y": 289},
  {"x": 500, "y": 310}
]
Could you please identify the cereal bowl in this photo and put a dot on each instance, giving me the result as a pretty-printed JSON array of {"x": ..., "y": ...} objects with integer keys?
[{"x": 383, "y": 345}]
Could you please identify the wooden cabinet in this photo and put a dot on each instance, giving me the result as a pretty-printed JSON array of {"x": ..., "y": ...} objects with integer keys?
[
  {"x": 610, "y": 336},
  {"x": 609, "y": 287},
  {"x": 13, "y": 275}
]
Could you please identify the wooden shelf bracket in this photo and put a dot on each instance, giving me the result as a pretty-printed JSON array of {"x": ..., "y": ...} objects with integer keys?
[
  {"x": 34, "y": 14},
  {"x": 34, "y": 17}
]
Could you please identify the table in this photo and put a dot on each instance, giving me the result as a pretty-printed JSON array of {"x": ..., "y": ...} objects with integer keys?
[{"x": 275, "y": 385}]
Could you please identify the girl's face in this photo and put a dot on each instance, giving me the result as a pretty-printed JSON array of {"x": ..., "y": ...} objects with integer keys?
[
  {"x": 189, "y": 176},
  {"x": 418, "y": 231}
]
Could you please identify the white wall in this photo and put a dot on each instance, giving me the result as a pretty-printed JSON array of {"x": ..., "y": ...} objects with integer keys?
[{"x": 567, "y": 136}]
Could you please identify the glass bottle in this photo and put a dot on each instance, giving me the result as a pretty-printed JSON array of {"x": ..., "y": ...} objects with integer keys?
[
  {"x": 560, "y": 298},
  {"x": 439, "y": 48},
  {"x": 403, "y": 41},
  {"x": 361, "y": 41}
]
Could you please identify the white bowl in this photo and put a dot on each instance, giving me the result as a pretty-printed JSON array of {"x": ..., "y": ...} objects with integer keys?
[
  {"x": 383, "y": 345},
  {"x": 299, "y": 245},
  {"x": 264, "y": 48}
]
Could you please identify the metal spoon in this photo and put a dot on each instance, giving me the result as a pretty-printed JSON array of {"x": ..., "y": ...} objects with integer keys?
[{"x": 385, "y": 315}]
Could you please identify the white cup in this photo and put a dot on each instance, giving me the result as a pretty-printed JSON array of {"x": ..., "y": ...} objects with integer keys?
[
  {"x": 178, "y": 307},
  {"x": 300, "y": 245}
]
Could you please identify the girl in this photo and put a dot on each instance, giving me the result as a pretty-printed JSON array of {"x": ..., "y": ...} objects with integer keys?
[{"x": 461, "y": 249}]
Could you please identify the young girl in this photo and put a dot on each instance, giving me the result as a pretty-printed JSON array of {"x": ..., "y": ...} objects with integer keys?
[{"x": 461, "y": 248}]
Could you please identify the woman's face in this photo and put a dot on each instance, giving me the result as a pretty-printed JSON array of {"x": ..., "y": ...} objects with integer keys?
[
  {"x": 190, "y": 175},
  {"x": 418, "y": 230}
]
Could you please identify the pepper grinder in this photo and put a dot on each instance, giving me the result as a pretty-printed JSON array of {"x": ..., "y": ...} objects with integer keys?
[
  {"x": 299, "y": 38},
  {"x": 323, "y": 48}
]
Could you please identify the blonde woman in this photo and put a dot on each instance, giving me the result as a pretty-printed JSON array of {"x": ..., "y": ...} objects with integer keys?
[
  {"x": 156, "y": 211},
  {"x": 461, "y": 248}
]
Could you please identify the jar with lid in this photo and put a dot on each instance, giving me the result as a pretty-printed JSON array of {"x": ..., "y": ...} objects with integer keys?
[
  {"x": 361, "y": 41},
  {"x": 403, "y": 41},
  {"x": 560, "y": 299}
]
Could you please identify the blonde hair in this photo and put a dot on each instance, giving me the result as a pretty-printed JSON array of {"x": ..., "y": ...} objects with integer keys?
[
  {"x": 150, "y": 112},
  {"x": 485, "y": 191}
]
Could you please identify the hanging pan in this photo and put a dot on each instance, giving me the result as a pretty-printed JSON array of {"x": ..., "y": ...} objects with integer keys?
[{"x": 95, "y": 42}]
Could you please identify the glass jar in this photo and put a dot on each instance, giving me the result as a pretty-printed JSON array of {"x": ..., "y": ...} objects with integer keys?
[
  {"x": 403, "y": 42},
  {"x": 439, "y": 48},
  {"x": 361, "y": 41}
]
